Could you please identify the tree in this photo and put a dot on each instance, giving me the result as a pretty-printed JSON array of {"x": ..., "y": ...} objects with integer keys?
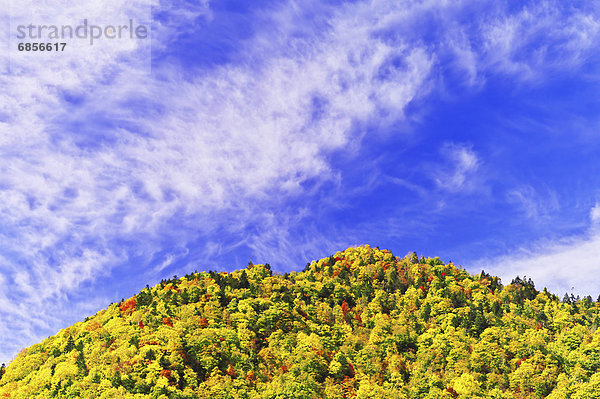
[
  {"x": 70, "y": 345},
  {"x": 80, "y": 361}
]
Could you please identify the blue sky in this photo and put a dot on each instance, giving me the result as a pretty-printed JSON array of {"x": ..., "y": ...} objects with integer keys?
[{"x": 283, "y": 131}]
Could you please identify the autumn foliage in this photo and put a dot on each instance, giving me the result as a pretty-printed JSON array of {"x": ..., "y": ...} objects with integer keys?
[
  {"x": 361, "y": 323},
  {"x": 128, "y": 306}
]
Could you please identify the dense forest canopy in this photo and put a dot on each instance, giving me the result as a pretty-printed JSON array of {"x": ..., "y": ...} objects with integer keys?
[{"x": 361, "y": 323}]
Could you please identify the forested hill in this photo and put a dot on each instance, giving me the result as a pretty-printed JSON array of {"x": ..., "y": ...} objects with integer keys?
[{"x": 361, "y": 323}]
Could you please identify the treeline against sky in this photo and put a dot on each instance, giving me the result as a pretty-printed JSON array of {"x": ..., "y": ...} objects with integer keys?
[{"x": 361, "y": 323}]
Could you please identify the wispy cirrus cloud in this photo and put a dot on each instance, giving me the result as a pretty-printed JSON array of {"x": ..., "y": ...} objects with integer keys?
[
  {"x": 541, "y": 37},
  {"x": 463, "y": 163},
  {"x": 534, "y": 205}
]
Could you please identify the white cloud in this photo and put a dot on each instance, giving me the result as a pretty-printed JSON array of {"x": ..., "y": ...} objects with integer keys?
[
  {"x": 463, "y": 164},
  {"x": 569, "y": 265},
  {"x": 539, "y": 38},
  {"x": 534, "y": 205}
]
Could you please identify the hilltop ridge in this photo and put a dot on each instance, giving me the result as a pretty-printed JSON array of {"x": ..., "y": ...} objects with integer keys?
[{"x": 360, "y": 323}]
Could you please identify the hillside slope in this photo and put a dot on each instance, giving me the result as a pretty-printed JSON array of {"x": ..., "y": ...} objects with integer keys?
[{"x": 361, "y": 323}]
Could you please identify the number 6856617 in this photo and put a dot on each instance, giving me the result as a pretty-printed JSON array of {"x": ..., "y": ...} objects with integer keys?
[{"x": 42, "y": 46}]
